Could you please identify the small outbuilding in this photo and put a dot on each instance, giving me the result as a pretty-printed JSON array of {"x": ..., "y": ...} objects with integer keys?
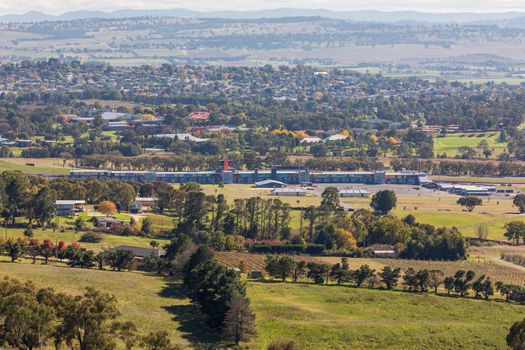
[
  {"x": 135, "y": 208},
  {"x": 138, "y": 252},
  {"x": 256, "y": 274},
  {"x": 383, "y": 250}
]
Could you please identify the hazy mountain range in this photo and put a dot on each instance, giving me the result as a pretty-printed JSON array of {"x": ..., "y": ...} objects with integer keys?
[{"x": 516, "y": 18}]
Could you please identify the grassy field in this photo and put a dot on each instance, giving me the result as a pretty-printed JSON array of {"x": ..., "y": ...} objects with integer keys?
[
  {"x": 139, "y": 295},
  {"x": 316, "y": 317},
  {"x": 41, "y": 165},
  {"x": 451, "y": 143},
  {"x": 320, "y": 317},
  {"x": 108, "y": 240}
]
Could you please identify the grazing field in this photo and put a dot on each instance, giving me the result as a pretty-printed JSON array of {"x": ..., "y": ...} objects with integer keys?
[
  {"x": 316, "y": 317},
  {"x": 331, "y": 317},
  {"x": 450, "y": 144}
]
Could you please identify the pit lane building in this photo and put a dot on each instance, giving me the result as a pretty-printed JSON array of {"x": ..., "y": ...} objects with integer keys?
[{"x": 291, "y": 176}]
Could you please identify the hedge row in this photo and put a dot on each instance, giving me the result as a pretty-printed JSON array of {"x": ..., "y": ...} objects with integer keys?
[{"x": 312, "y": 249}]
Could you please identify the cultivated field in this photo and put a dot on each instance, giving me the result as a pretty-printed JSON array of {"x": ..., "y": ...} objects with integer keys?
[{"x": 495, "y": 270}]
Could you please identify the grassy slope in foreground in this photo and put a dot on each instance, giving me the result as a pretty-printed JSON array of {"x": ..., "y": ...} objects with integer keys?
[
  {"x": 317, "y": 317},
  {"x": 138, "y": 294},
  {"x": 331, "y": 317}
]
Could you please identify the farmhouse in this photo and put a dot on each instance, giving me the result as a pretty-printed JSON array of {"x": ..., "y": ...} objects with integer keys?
[
  {"x": 69, "y": 207},
  {"x": 199, "y": 116},
  {"x": 147, "y": 201},
  {"x": 102, "y": 221},
  {"x": 138, "y": 252}
]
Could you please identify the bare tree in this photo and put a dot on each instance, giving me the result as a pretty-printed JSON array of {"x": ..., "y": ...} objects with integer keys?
[{"x": 240, "y": 321}]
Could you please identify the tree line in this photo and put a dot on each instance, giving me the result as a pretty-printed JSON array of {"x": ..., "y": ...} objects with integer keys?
[{"x": 421, "y": 281}]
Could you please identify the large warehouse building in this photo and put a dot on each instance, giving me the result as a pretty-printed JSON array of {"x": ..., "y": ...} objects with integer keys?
[{"x": 290, "y": 176}]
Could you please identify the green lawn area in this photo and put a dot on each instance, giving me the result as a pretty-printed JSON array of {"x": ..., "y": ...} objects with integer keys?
[
  {"x": 450, "y": 143},
  {"x": 316, "y": 317},
  {"x": 41, "y": 166}
]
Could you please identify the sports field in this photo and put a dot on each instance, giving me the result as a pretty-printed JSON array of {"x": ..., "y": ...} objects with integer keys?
[
  {"x": 35, "y": 165},
  {"x": 450, "y": 144}
]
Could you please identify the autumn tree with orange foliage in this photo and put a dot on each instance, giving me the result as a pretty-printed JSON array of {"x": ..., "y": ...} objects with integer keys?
[{"x": 107, "y": 208}]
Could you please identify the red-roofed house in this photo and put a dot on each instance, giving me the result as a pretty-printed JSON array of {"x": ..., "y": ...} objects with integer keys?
[{"x": 199, "y": 116}]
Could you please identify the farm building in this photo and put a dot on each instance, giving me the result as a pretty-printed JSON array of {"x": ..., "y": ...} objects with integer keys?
[
  {"x": 383, "y": 250},
  {"x": 102, "y": 221},
  {"x": 291, "y": 192},
  {"x": 138, "y": 252},
  {"x": 199, "y": 116},
  {"x": 354, "y": 193},
  {"x": 147, "y": 201},
  {"x": 270, "y": 184},
  {"x": 69, "y": 207},
  {"x": 135, "y": 208}
]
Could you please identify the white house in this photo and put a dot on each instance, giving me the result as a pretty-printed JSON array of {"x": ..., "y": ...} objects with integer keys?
[
  {"x": 336, "y": 137},
  {"x": 69, "y": 207}
]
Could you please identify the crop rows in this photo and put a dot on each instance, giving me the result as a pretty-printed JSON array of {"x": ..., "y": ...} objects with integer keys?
[{"x": 497, "y": 272}]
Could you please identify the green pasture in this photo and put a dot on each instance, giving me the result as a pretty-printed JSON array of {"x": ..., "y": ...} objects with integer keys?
[{"x": 315, "y": 317}]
